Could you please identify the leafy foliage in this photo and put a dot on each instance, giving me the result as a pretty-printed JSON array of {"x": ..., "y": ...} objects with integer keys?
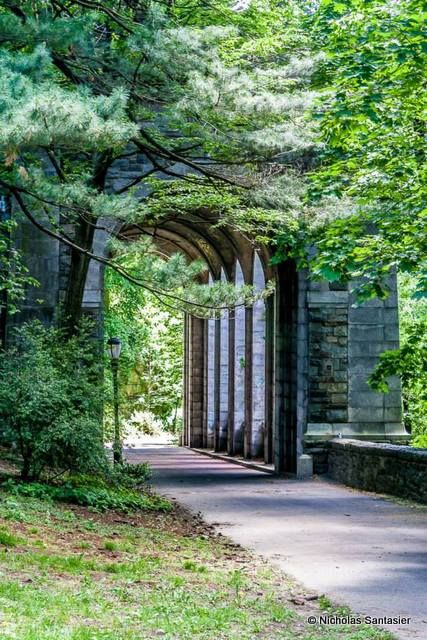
[
  {"x": 185, "y": 90},
  {"x": 96, "y": 496},
  {"x": 372, "y": 120},
  {"x": 50, "y": 405},
  {"x": 129, "y": 475},
  {"x": 151, "y": 363},
  {"x": 14, "y": 275}
]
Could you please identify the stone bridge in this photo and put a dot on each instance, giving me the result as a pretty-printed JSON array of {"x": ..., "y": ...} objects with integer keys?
[{"x": 273, "y": 381}]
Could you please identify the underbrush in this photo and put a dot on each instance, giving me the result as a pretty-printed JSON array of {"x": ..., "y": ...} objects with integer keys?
[
  {"x": 99, "y": 498},
  {"x": 121, "y": 487}
]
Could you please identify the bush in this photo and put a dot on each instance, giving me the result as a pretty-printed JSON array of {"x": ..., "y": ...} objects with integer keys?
[
  {"x": 99, "y": 498},
  {"x": 129, "y": 475},
  {"x": 50, "y": 404}
]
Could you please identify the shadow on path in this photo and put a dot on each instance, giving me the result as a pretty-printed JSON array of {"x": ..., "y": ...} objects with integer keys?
[{"x": 359, "y": 549}]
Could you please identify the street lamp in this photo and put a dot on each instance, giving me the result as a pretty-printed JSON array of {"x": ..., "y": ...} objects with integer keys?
[{"x": 115, "y": 347}]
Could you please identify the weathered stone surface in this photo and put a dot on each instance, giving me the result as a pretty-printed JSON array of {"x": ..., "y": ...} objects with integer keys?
[{"x": 384, "y": 468}]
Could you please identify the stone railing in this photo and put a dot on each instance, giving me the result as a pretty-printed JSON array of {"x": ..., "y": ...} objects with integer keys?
[{"x": 383, "y": 468}]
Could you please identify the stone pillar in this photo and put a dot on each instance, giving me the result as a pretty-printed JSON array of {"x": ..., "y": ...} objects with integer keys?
[
  {"x": 210, "y": 384},
  {"x": 258, "y": 366},
  {"x": 285, "y": 378},
  {"x": 239, "y": 372},
  {"x": 41, "y": 255},
  {"x": 186, "y": 405},
  {"x": 269, "y": 381},
  {"x": 223, "y": 353},
  {"x": 247, "y": 450},
  {"x": 195, "y": 374},
  {"x": 345, "y": 341},
  {"x": 373, "y": 328},
  {"x": 94, "y": 288},
  {"x": 231, "y": 381}
]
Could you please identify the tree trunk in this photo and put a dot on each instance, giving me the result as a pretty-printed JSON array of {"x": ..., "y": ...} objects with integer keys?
[
  {"x": 73, "y": 301},
  {"x": 25, "y": 471},
  {"x": 84, "y": 235}
]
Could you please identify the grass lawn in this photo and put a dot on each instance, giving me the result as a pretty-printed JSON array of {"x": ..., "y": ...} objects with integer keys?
[{"x": 68, "y": 573}]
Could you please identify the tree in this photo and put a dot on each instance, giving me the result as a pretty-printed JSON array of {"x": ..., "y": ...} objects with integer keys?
[
  {"x": 85, "y": 83},
  {"x": 373, "y": 123}
]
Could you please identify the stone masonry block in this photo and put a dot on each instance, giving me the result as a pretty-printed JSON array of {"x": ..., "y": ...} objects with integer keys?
[
  {"x": 393, "y": 399},
  {"x": 362, "y": 332},
  {"x": 392, "y": 414},
  {"x": 360, "y": 349},
  {"x": 336, "y": 415},
  {"x": 391, "y": 332},
  {"x": 368, "y": 316},
  {"x": 360, "y": 365},
  {"x": 327, "y": 297},
  {"x": 365, "y": 414},
  {"x": 366, "y": 399},
  {"x": 358, "y": 382}
]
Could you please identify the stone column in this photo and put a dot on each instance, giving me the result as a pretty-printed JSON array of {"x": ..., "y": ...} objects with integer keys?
[
  {"x": 239, "y": 380},
  {"x": 196, "y": 351},
  {"x": 223, "y": 353},
  {"x": 285, "y": 369},
  {"x": 345, "y": 342},
  {"x": 231, "y": 381},
  {"x": 210, "y": 384},
  {"x": 258, "y": 366},
  {"x": 269, "y": 379},
  {"x": 247, "y": 451},
  {"x": 239, "y": 372},
  {"x": 186, "y": 404}
]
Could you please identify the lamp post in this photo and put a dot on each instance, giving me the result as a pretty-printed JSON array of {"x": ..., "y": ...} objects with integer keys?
[{"x": 115, "y": 347}]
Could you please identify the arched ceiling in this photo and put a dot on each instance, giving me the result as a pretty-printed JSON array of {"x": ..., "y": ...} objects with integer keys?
[{"x": 198, "y": 236}]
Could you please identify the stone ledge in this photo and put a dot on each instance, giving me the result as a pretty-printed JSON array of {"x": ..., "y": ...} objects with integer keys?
[
  {"x": 385, "y": 432},
  {"x": 381, "y": 449}
]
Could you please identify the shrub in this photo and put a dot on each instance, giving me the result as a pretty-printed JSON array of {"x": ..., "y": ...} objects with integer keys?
[
  {"x": 129, "y": 475},
  {"x": 50, "y": 405}
]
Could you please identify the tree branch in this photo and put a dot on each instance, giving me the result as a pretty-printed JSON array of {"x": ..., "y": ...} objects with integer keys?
[{"x": 109, "y": 263}]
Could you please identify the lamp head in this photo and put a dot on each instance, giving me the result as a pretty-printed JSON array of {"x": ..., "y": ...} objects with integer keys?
[{"x": 114, "y": 348}]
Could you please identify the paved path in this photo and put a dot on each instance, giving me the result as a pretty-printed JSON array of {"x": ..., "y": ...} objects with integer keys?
[{"x": 358, "y": 549}]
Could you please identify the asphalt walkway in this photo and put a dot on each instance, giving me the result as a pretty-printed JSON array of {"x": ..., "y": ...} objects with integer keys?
[{"x": 359, "y": 549}]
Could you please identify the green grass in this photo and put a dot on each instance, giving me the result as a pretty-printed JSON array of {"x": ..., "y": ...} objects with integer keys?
[
  {"x": 7, "y": 539},
  {"x": 106, "y": 577}
]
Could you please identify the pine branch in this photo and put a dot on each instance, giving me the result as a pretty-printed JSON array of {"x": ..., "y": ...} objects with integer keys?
[
  {"x": 60, "y": 237},
  {"x": 114, "y": 15},
  {"x": 211, "y": 175}
]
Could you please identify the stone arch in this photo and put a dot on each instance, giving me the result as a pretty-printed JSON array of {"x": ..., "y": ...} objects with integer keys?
[{"x": 319, "y": 349}]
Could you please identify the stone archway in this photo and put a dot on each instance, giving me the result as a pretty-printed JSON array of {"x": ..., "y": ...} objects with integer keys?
[
  {"x": 276, "y": 381},
  {"x": 228, "y": 379}
]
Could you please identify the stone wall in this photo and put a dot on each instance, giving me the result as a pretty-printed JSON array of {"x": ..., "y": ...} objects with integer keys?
[{"x": 383, "y": 468}]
